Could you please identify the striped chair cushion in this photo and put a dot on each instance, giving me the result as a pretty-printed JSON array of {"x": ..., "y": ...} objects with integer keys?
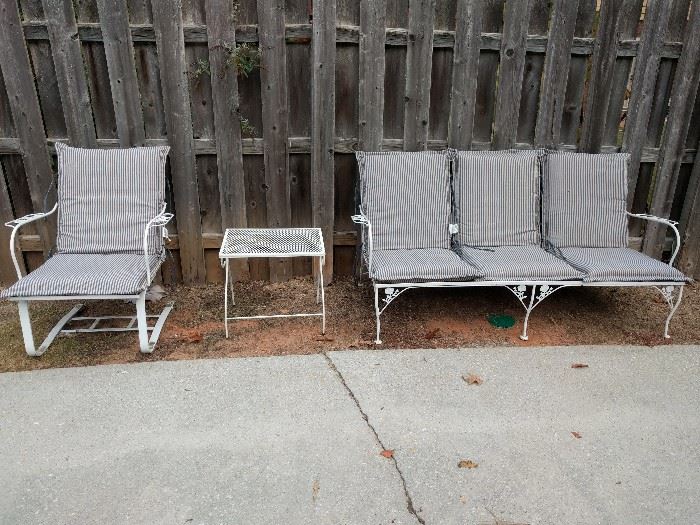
[
  {"x": 519, "y": 263},
  {"x": 618, "y": 264},
  {"x": 585, "y": 200},
  {"x": 106, "y": 198},
  {"x": 419, "y": 265},
  {"x": 497, "y": 197},
  {"x": 86, "y": 274},
  {"x": 407, "y": 198}
]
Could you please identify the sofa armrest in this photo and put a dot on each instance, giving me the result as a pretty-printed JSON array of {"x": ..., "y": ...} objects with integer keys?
[
  {"x": 159, "y": 221},
  {"x": 16, "y": 224},
  {"x": 367, "y": 243},
  {"x": 672, "y": 224}
]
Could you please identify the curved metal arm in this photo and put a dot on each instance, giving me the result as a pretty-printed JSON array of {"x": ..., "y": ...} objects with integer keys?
[
  {"x": 667, "y": 222},
  {"x": 159, "y": 220},
  {"x": 16, "y": 224},
  {"x": 361, "y": 218}
]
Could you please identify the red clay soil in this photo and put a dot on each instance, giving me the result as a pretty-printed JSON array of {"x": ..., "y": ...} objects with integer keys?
[{"x": 439, "y": 318}]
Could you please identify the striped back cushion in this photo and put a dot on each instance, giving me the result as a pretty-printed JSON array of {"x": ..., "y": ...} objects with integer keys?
[
  {"x": 497, "y": 197},
  {"x": 107, "y": 197},
  {"x": 406, "y": 196},
  {"x": 585, "y": 200}
]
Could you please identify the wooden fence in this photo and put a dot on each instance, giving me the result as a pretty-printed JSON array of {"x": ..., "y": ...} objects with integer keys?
[{"x": 335, "y": 76}]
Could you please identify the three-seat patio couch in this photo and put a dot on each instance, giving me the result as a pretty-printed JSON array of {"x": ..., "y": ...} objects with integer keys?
[{"x": 528, "y": 220}]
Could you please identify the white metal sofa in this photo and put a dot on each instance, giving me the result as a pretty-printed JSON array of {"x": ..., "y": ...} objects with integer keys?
[
  {"x": 529, "y": 220},
  {"x": 111, "y": 225}
]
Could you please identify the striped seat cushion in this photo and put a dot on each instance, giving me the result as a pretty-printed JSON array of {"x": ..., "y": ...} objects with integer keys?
[
  {"x": 432, "y": 264},
  {"x": 518, "y": 263},
  {"x": 407, "y": 198},
  {"x": 618, "y": 264},
  {"x": 497, "y": 197},
  {"x": 86, "y": 274},
  {"x": 585, "y": 200},
  {"x": 106, "y": 198}
]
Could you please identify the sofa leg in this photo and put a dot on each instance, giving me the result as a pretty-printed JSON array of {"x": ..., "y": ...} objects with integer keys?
[
  {"x": 144, "y": 345},
  {"x": 377, "y": 313},
  {"x": 528, "y": 310},
  {"x": 673, "y": 304}
]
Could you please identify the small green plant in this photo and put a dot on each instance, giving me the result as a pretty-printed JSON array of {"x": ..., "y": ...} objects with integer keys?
[
  {"x": 244, "y": 58},
  {"x": 199, "y": 69},
  {"x": 247, "y": 129}
]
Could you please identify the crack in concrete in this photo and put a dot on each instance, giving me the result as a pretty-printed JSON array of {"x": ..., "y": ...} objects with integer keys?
[{"x": 409, "y": 500}]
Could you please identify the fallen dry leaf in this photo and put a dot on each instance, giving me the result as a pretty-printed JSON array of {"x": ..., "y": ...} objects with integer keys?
[
  {"x": 387, "y": 453},
  {"x": 467, "y": 463},
  {"x": 325, "y": 339},
  {"x": 432, "y": 334},
  {"x": 579, "y": 365},
  {"x": 473, "y": 379},
  {"x": 191, "y": 336},
  {"x": 315, "y": 487},
  {"x": 577, "y": 435}
]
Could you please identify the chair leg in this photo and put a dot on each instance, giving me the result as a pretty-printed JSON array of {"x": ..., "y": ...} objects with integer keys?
[
  {"x": 377, "y": 313},
  {"x": 144, "y": 345},
  {"x": 26, "y": 323},
  {"x": 674, "y": 306}
]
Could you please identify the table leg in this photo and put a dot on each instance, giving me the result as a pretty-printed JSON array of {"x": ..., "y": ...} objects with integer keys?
[
  {"x": 321, "y": 261},
  {"x": 226, "y": 300}
]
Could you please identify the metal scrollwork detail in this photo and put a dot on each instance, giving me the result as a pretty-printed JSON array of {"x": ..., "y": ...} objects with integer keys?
[
  {"x": 519, "y": 291},
  {"x": 391, "y": 294},
  {"x": 667, "y": 292},
  {"x": 546, "y": 291}
]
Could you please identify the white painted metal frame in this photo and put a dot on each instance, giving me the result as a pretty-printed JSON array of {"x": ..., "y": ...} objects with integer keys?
[
  {"x": 529, "y": 293},
  {"x": 229, "y": 250},
  {"x": 146, "y": 344}
]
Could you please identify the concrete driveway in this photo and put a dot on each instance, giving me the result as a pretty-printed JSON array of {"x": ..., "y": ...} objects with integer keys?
[{"x": 290, "y": 440}]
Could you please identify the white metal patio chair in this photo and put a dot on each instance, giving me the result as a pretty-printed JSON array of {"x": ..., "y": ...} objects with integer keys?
[{"x": 111, "y": 226}]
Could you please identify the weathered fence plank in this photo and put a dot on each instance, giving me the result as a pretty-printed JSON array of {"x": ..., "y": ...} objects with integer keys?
[
  {"x": 7, "y": 269},
  {"x": 372, "y": 64},
  {"x": 70, "y": 72},
  {"x": 464, "y": 79},
  {"x": 119, "y": 50},
  {"x": 167, "y": 20},
  {"x": 602, "y": 70},
  {"x": 26, "y": 114},
  {"x": 419, "y": 56},
  {"x": 643, "y": 85},
  {"x": 690, "y": 255},
  {"x": 555, "y": 75},
  {"x": 227, "y": 119},
  {"x": 273, "y": 75},
  {"x": 510, "y": 76},
  {"x": 685, "y": 87},
  {"x": 323, "y": 124}
]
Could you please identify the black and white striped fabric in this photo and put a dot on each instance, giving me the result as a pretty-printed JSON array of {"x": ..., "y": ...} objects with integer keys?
[
  {"x": 619, "y": 264},
  {"x": 497, "y": 197},
  {"x": 419, "y": 265},
  {"x": 107, "y": 197},
  {"x": 518, "y": 263},
  {"x": 86, "y": 274},
  {"x": 406, "y": 196},
  {"x": 585, "y": 200},
  {"x": 261, "y": 241}
]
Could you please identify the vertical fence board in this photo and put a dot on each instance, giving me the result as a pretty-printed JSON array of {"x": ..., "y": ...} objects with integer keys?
[
  {"x": 323, "y": 125},
  {"x": 643, "y": 84},
  {"x": 70, "y": 72},
  {"x": 372, "y": 63},
  {"x": 464, "y": 81},
  {"x": 26, "y": 114},
  {"x": 690, "y": 255},
  {"x": 510, "y": 74},
  {"x": 419, "y": 56},
  {"x": 602, "y": 70},
  {"x": 227, "y": 119},
  {"x": 7, "y": 269},
  {"x": 167, "y": 22},
  {"x": 685, "y": 87},
  {"x": 273, "y": 75},
  {"x": 555, "y": 75},
  {"x": 119, "y": 51}
]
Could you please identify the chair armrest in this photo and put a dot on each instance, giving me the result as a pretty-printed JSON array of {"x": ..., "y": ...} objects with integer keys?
[
  {"x": 367, "y": 243},
  {"x": 16, "y": 224},
  {"x": 667, "y": 222},
  {"x": 159, "y": 221}
]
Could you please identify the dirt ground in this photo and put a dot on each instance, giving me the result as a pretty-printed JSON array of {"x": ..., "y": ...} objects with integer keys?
[{"x": 439, "y": 318}]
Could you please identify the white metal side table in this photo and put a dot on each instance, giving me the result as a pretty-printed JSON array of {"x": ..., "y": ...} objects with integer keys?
[{"x": 245, "y": 243}]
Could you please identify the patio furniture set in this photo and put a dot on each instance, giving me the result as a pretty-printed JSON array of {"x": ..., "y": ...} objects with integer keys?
[{"x": 531, "y": 221}]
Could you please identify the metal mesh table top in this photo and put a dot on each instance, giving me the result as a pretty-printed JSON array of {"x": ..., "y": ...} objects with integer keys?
[{"x": 272, "y": 242}]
